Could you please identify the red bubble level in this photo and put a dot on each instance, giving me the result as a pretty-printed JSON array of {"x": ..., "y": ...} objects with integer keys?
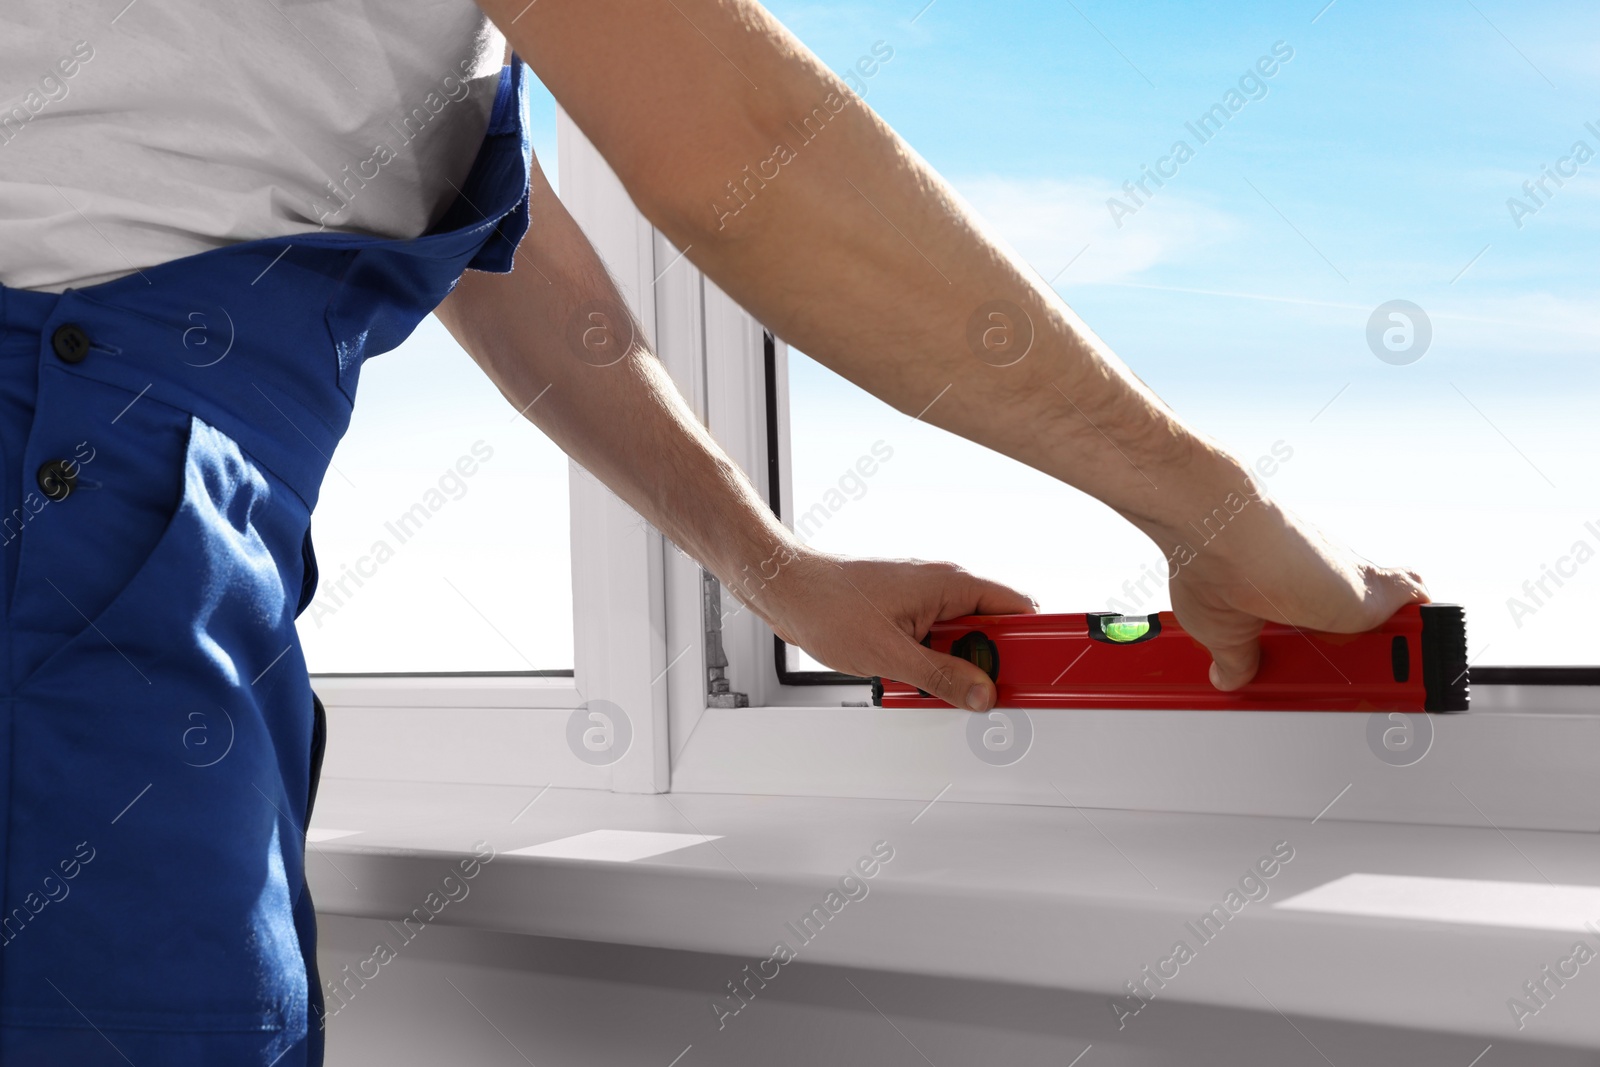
[{"x": 1417, "y": 661}]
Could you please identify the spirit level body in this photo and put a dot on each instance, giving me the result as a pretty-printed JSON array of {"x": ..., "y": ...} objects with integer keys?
[{"x": 1416, "y": 661}]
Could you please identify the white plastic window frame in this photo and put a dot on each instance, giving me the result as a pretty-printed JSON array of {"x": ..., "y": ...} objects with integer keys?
[
  {"x": 1521, "y": 759},
  {"x": 497, "y": 729},
  {"x": 1518, "y": 760}
]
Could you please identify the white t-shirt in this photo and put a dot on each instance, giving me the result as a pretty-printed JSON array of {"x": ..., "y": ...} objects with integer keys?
[{"x": 181, "y": 125}]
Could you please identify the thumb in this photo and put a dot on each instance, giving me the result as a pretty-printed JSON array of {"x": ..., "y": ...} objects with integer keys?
[
  {"x": 958, "y": 682},
  {"x": 1234, "y": 664},
  {"x": 1232, "y": 637}
]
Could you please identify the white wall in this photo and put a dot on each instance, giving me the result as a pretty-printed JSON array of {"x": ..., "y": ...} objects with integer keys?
[{"x": 460, "y": 996}]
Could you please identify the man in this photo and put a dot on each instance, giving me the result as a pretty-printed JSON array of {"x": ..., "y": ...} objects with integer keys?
[{"x": 320, "y": 179}]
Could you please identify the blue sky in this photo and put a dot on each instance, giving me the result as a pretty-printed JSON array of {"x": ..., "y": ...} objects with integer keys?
[
  {"x": 1390, "y": 141},
  {"x": 1375, "y": 167}
]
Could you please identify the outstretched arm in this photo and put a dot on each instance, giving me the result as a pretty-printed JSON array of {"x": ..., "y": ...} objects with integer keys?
[
  {"x": 555, "y": 336},
  {"x": 802, "y": 205}
]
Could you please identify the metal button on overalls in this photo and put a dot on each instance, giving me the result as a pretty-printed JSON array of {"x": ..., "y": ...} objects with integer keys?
[{"x": 159, "y": 736}]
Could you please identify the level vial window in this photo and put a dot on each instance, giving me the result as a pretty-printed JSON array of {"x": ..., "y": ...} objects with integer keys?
[{"x": 1123, "y": 629}]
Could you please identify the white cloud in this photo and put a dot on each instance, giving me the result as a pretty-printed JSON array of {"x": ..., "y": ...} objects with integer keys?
[{"x": 1049, "y": 221}]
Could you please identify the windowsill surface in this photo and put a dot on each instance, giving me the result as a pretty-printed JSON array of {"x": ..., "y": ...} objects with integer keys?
[{"x": 1040, "y": 895}]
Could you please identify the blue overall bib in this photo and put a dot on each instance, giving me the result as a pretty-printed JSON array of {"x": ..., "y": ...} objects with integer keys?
[{"x": 164, "y": 436}]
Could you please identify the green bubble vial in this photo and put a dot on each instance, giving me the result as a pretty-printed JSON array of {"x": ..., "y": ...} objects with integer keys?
[{"x": 1125, "y": 629}]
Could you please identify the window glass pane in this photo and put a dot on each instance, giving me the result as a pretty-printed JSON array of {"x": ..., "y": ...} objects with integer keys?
[
  {"x": 442, "y": 532},
  {"x": 1252, "y": 287}
]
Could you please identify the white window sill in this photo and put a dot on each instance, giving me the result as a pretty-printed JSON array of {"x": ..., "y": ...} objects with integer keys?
[{"x": 1074, "y": 899}]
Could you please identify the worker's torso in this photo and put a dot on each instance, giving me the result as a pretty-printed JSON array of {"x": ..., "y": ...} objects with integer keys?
[{"x": 144, "y": 132}]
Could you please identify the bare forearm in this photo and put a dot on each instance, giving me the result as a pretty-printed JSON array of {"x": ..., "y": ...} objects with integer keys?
[
  {"x": 858, "y": 253},
  {"x": 807, "y": 209},
  {"x": 554, "y": 336}
]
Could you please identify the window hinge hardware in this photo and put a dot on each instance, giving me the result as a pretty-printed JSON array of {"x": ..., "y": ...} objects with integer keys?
[{"x": 719, "y": 693}]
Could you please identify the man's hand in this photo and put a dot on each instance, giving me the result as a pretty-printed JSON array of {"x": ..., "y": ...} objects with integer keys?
[
  {"x": 1265, "y": 563},
  {"x": 868, "y": 617}
]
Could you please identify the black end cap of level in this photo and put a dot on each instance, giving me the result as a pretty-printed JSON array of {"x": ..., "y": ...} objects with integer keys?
[
  {"x": 877, "y": 692},
  {"x": 1444, "y": 657}
]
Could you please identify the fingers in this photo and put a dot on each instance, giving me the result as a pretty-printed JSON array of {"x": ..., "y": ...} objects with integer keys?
[
  {"x": 955, "y": 681},
  {"x": 1232, "y": 637},
  {"x": 1236, "y": 656},
  {"x": 1394, "y": 588},
  {"x": 960, "y": 682},
  {"x": 865, "y": 617},
  {"x": 967, "y": 594}
]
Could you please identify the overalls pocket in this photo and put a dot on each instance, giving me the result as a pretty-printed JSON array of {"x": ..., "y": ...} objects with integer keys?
[
  {"x": 181, "y": 523},
  {"x": 171, "y": 731}
]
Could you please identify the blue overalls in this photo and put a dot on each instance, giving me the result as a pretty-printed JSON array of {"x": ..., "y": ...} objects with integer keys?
[{"x": 164, "y": 436}]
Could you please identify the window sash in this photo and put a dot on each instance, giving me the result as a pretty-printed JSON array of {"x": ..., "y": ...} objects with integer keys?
[{"x": 641, "y": 641}]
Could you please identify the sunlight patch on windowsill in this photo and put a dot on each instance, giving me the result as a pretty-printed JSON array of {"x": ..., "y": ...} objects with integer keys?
[{"x": 1470, "y": 901}]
